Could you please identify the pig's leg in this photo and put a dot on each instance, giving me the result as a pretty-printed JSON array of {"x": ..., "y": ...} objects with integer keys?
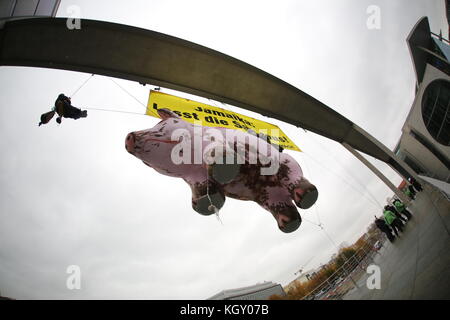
[
  {"x": 278, "y": 201},
  {"x": 291, "y": 177},
  {"x": 207, "y": 196}
]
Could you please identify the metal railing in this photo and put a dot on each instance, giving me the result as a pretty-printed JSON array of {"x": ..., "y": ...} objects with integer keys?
[{"x": 346, "y": 276}]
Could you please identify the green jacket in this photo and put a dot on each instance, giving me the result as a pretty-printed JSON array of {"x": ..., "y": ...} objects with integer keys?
[
  {"x": 408, "y": 193},
  {"x": 399, "y": 206},
  {"x": 389, "y": 216}
]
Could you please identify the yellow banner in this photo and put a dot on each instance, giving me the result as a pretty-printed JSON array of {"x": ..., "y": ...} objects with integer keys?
[{"x": 210, "y": 116}]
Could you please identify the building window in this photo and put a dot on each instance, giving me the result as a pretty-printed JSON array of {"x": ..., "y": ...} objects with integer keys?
[{"x": 435, "y": 110}]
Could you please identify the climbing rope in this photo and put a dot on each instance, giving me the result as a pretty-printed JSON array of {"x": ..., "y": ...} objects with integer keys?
[
  {"x": 110, "y": 110},
  {"x": 119, "y": 111},
  {"x": 81, "y": 86},
  {"x": 132, "y": 96}
]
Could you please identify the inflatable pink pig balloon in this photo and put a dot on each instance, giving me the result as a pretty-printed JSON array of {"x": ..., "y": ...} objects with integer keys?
[{"x": 220, "y": 162}]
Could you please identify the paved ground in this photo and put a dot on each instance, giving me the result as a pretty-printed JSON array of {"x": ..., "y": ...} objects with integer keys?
[{"x": 417, "y": 264}]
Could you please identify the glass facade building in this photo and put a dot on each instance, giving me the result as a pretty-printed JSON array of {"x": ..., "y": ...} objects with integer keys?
[{"x": 435, "y": 110}]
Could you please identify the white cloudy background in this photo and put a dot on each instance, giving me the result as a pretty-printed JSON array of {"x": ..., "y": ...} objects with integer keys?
[{"x": 72, "y": 195}]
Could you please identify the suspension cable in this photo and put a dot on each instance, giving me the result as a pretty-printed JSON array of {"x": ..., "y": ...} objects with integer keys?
[
  {"x": 113, "y": 110},
  {"x": 309, "y": 221},
  {"x": 123, "y": 89},
  {"x": 82, "y": 85},
  {"x": 344, "y": 180},
  {"x": 372, "y": 198},
  {"x": 353, "y": 177},
  {"x": 224, "y": 106},
  {"x": 329, "y": 238},
  {"x": 315, "y": 207}
]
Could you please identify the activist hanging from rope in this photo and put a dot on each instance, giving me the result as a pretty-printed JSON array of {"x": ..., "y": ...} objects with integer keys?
[{"x": 64, "y": 108}]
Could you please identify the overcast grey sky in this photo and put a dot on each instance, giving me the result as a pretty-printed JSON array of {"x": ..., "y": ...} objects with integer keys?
[{"x": 72, "y": 195}]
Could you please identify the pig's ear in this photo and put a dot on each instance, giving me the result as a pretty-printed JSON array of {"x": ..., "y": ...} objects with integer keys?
[{"x": 166, "y": 114}]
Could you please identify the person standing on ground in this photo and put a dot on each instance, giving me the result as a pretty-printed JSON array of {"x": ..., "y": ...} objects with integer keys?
[
  {"x": 401, "y": 208},
  {"x": 391, "y": 219},
  {"x": 396, "y": 212},
  {"x": 381, "y": 224},
  {"x": 415, "y": 184}
]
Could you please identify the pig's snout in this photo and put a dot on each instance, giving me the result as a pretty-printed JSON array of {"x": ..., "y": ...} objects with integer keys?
[{"x": 129, "y": 142}]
